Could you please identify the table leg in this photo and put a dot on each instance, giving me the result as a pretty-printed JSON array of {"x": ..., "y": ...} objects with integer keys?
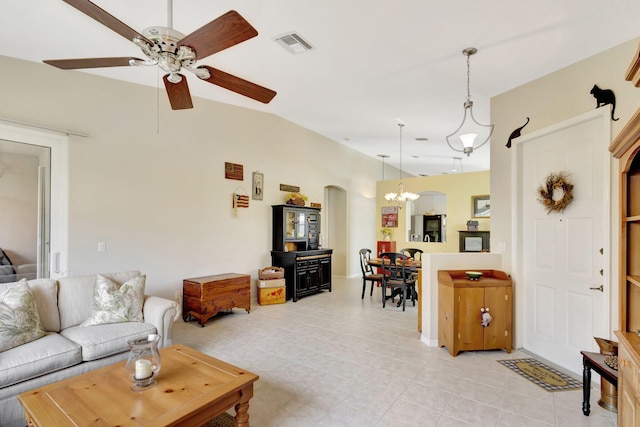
[
  {"x": 586, "y": 387},
  {"x": 242, "y": 414}
]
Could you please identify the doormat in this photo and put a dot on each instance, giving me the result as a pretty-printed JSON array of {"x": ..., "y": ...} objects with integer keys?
[{"x": 545, "y": 376}]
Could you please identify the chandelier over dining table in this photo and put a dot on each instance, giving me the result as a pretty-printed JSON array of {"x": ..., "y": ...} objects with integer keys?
[{"x": 401, "y": 197}]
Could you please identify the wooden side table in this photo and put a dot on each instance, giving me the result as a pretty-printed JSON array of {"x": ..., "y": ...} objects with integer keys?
[
  {"x": 204, "y": 297},
  {"x": 594, "y": 361}
]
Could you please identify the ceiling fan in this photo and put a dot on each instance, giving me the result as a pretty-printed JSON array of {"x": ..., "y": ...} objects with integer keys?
[{"x": 173, "y": 51}]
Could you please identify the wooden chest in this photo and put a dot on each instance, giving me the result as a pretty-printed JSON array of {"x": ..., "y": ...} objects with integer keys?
[{"x": 204, "y": 297}]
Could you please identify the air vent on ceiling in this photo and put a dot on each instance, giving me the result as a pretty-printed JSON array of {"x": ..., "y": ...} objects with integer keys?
[{"x": 294, "y": 43}]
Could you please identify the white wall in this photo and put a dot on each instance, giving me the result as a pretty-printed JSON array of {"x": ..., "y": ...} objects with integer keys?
[
  {"x": 159, "y": 200},
  {"x": 552, "y": 99}
]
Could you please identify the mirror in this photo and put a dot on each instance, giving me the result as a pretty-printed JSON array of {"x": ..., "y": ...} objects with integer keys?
[{"x": 428, "y": 218}]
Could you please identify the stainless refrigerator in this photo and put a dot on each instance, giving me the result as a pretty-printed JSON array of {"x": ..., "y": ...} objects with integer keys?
[{"x": 428, "y": 228}]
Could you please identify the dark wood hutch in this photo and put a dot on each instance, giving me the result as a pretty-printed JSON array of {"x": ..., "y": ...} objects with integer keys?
[{"x": 296, "y": 248}]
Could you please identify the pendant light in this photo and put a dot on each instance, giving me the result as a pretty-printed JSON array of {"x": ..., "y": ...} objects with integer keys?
[
  {"x": 401, "y": 197},
  {"x": 383, "y": 156},
  {"x": 468, "y": 129}
]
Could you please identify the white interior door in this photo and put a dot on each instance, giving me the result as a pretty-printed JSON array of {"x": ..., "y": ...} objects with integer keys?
[{"x": 564, "y": 255}]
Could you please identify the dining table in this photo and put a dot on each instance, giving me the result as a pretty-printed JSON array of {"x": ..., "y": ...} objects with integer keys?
[{"x": 414, "y": 264}]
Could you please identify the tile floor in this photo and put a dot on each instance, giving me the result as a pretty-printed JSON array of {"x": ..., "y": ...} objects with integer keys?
[{"x": 333, "y": 359}]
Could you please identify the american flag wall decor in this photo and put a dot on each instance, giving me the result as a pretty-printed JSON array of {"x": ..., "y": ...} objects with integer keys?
[{"x": 240, "y": 201}]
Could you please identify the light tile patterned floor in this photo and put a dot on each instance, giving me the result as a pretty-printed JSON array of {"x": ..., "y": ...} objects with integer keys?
[{"x": 333, "y": 359}]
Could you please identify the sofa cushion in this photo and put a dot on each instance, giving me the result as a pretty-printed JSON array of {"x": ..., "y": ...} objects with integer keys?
[
  {"x": 75, "y": 295},
  {"x": 19, "y": 318},
  {"x": 104, "y": 340},
  {"x": 45, "y": 292},
  {"x": 45, "y": 355},
  {"x": 115, "y": 303}
]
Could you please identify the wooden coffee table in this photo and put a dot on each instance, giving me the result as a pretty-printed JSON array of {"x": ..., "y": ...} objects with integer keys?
[{"x": 192, "y": 389}]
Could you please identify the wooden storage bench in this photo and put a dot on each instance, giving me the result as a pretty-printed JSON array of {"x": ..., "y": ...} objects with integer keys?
[{"x": 204, "y": 297}]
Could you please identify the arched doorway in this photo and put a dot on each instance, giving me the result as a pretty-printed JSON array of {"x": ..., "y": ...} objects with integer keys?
[{"x": 334, "y": 234}]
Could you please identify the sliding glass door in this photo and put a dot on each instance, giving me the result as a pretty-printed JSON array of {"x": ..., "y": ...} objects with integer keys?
[{"x": 25, "y": 216}]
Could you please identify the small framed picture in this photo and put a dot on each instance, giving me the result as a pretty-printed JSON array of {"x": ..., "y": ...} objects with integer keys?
[
  {"x": 389, "y": 216},
  {"x": 258, "y": 186},
  {"x": 480, "y": 206}
]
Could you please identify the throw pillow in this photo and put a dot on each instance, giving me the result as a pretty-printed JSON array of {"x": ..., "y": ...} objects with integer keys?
[
  {"x": 19, "y": 318},
  {"x": 114, "y": 303}
]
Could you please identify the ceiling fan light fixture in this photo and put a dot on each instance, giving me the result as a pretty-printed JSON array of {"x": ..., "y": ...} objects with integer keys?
[{"x": 470, "y": 128}]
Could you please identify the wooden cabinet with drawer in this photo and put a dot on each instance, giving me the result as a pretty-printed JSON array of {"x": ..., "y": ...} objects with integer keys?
[{"x": 204, "y": 297}]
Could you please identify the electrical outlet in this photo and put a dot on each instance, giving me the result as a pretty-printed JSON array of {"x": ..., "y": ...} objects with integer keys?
[{"x": 102, "y": 247}]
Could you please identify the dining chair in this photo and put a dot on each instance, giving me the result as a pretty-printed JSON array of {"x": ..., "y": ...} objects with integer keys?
[
  {"x": 412, "y": 252},
  {"x": 367, "y": 271},
  {"x": 417, "y": 255},
  {"x": 398, "y": 277}
]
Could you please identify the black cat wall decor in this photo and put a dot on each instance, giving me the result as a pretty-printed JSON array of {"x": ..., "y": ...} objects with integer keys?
[
  {"x": 604, "y": 97},
  {"x": 516, "y": 133}
]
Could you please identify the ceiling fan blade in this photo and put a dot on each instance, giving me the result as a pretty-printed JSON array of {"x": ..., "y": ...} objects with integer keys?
[
  {"x": 219, "y": 34},
  {"x": 238, "y": 85},
  {"x": 178, "y": 93},
  {"x": 73, "y": 64},
  {"x": 106, "y": 19}
]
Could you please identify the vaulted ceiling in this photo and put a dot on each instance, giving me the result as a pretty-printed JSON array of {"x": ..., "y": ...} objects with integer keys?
[{"x": 371, "y": 62}]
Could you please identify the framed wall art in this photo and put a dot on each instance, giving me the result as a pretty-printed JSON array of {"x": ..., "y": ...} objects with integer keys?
[
  {"x": 480, "y": 206},
  {"x": 389, "y": 216},
  {"x": 233, "y": 171},
  {"x": 257, "y": 186}
]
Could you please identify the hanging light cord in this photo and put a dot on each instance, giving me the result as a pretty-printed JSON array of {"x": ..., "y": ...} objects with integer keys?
[
  {"x": 401, "y": 126},
  {"x": 468, "y": 80}
]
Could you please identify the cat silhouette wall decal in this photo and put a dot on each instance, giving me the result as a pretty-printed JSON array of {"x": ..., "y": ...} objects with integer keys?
[
  {"x": 604, "y": 97},
  {"x": 516, "y": 133}
]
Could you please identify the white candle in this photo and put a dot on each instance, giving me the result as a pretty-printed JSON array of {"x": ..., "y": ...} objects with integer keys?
[{"x": 143, "y": 369}]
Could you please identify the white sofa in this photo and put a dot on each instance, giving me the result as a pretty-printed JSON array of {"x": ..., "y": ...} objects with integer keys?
[{"x": 68, "y": 349}]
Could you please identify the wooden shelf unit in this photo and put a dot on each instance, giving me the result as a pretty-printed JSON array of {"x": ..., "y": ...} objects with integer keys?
[{"x": 626, "y": 148}]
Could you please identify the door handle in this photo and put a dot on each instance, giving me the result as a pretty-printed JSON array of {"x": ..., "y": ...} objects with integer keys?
[{"x": 599, "y": 288}]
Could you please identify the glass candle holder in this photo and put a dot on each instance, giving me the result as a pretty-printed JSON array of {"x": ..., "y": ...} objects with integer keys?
[{"x": 144, "y": 362}]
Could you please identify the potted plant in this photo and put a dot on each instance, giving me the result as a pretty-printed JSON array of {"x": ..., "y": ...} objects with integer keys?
[
  {"x": 297, "y": 199},
  {"x": 386, "y": 233}
]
